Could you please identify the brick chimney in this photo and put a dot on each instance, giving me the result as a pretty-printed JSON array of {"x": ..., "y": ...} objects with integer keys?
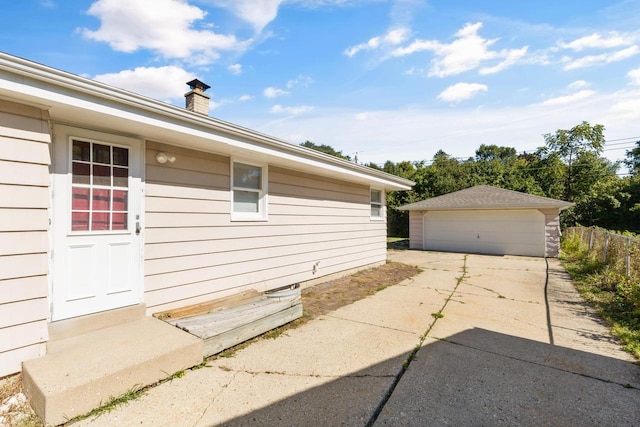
[{"x": 196, "y": 100}]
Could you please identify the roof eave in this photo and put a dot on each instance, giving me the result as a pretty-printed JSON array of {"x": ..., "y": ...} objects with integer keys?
[
  {"x": 481, "y": 208},
  {"x": 32, "y": 70}
]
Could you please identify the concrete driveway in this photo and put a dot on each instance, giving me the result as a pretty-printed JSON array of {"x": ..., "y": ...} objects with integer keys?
[{"x": 502, "y": 351}]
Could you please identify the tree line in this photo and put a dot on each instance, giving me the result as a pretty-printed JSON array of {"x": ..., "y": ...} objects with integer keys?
[{"x": 569, "y": 166}]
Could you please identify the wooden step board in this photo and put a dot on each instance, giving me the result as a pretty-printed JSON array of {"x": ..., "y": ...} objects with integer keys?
[{"x": 222, "y": 329}]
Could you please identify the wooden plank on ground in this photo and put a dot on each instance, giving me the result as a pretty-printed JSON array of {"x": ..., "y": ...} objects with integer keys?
[
  {"x": 209, "y": 306},
  {"x": 233, "y": 337},
  {"x": 209, "y": 325}
]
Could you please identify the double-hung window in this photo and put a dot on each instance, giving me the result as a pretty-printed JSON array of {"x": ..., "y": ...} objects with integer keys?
[
  {"x": 248, "y": 192},
  {"x": 377, "y": 211}
]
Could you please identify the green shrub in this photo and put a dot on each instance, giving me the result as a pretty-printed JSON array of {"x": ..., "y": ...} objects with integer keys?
[{"x": 615, "y": 296}]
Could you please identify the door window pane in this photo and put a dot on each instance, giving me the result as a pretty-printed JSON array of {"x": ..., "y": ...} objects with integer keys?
[
  {"x": 118, "y": 221},
  {"x": 95, "y": 204},
  {"x": 82, "y": 151},
  {"x": 99, "y": 221},
  {"x": 80, "y": 199},
  {"x": 119, "y": 201},
  {"x": 120, "y": 177},
  {"x": 100, "y": 200},
  {"x": 120, "y": 156},
  {"x": 101, "y": 154},
  {"x": 81, "y": 173},
  {"x": 80, "y": 221},
  {"x": 101, "y": 175}
]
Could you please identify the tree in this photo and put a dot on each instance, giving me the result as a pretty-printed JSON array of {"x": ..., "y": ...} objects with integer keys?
[
  {"x": 327, "y": 149},
  {"x": 633, "y": 159},
  {"x": 567, "y": 144}
]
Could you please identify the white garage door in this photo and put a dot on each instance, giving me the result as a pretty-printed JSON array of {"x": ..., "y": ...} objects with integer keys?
[{"x": 507, "y": 232}]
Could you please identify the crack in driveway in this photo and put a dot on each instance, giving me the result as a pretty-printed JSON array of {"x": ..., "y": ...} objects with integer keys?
[{"x": 413, "y": 353}]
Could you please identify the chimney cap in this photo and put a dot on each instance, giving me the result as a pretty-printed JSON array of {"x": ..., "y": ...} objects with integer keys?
[{"x": 196, "y": 84}]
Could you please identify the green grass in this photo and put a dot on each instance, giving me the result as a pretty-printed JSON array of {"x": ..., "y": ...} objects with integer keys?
[
  {"x": 396, "y": 239},
  {"x": 614, "y": 296}
]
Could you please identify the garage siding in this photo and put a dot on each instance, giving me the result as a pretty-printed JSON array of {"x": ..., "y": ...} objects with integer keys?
[
  {"x": 552, "y": 230},
  {"x": 416, "y": 229},
  {"x": 499, "y": 232}
]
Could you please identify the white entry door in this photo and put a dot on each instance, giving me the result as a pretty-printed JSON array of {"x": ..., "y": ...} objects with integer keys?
[{"x": 97, "y": 224}]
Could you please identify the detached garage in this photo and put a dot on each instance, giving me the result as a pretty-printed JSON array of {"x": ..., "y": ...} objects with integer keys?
[{"x": 488, "y": 220}]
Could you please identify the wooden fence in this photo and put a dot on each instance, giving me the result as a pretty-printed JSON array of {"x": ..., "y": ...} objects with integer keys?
[{"x": 620, "y": 252}]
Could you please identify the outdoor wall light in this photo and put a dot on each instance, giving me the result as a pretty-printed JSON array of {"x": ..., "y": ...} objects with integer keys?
[{"x": 163, "y": 158}]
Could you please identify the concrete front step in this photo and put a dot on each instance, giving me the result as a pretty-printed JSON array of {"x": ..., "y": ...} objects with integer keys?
[{"x": 82, "y": 372}]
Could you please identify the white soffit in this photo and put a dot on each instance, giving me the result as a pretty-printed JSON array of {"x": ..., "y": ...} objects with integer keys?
[{"x": 73, "y": 99}]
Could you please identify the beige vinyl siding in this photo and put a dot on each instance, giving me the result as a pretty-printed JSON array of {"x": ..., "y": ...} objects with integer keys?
[
  {"x": 416, "y": 229},
  {"x": 194, "y": 252},
  {"x": 24, "y": 241}
]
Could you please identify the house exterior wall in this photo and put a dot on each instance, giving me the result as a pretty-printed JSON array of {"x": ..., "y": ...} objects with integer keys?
[
  {"x": 193, "y": 251},
  {"x": 416, "y": 230},
  {"x": 24, "y": 241},
  {"x": 552, "y": 232}
]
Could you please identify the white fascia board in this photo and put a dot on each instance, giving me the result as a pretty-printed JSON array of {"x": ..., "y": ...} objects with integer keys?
[
  {"x": 488, "y": 208},
  {"x": 67, "y": 93}
]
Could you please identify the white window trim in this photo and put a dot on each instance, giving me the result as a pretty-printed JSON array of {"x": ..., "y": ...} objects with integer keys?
[
  {"x": 261, "y": 215},
  {"x": 383, "y": 210}
]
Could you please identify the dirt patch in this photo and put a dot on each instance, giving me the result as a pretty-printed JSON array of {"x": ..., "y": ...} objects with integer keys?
[
  {"x": 14, "y": 407},
  {"x": 329, "y": 296}
]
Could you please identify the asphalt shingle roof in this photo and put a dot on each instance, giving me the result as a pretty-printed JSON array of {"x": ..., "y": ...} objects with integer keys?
[{"x": 485, "y": 197}]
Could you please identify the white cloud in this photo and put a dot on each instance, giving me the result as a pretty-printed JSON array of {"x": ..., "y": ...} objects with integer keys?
[
  {"x": 392, "y": 38},
  {"x": 274, "y": 92},
  {"x": 163, "y": 83},
  {"x": 165, "y": 28},
  {"x": 258, "y": 13},
  {"x": 362, "y": 116},
  {"x": 605, "y": 58},
  {"x": 399, "y": 134},
  {"x": 510, "y": 57},
  {"x": 627, "y": 109},
  {"x": 569, "y": 99},
  {"x": 293, "y": 111},
  {"x": 634, "y": 75},
  {"x": 48, "y": 4},
  {"x": 235, "y": 69},
  {"x": 465, "y": 53},
  {"x": 579, "y": 84},
  {"x": 461, "y": 91},
  {"x": 301, "y": 80},
  {"x": 597, "y": 41},
  {"x": 245, "y": 98}
]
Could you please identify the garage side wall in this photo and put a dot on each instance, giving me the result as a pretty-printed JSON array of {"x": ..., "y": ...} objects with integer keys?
[
  {"x": 416, "y": 230},
  {"x": 24, "y": 224},
  {"x": 316, "y": 226},
  {"x": 552, "y": 232}
]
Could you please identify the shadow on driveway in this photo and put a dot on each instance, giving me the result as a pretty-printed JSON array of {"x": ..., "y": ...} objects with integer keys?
[{"x": 476, "y": 377}]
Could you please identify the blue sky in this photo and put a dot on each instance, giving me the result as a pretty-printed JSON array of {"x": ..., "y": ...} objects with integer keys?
[{"x": 386, "y": 80}]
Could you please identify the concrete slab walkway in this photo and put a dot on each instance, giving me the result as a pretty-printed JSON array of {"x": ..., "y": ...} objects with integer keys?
[{"x": 505, "y": 352}]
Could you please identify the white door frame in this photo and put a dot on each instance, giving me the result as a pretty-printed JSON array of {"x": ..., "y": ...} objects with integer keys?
[{"x": 125, "y": 246}]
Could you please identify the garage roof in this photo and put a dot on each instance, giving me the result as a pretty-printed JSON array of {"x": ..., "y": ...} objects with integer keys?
[{"x": 486, "y": 197}]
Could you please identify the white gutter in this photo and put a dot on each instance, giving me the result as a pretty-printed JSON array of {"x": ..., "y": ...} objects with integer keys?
[{"x": 256, "y": 141}]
